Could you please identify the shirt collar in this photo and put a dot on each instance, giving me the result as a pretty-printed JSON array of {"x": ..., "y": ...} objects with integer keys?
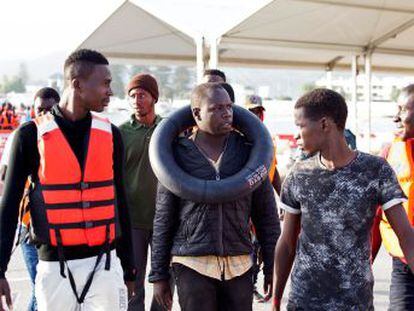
[{"x": 134, "y": 122}]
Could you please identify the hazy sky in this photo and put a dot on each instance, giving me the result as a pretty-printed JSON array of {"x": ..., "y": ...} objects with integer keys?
[{"x": 30, "y": 29}]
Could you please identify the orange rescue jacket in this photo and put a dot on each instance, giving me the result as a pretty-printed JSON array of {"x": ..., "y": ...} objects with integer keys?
[
  {"x": 77, "y": 204},
  {"x": 400, "y": 157}
]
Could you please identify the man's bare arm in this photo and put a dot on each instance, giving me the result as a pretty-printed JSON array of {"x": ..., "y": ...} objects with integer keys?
[
  {"x": 398, "y": 220},
  {"x": 285, "y": 255}
]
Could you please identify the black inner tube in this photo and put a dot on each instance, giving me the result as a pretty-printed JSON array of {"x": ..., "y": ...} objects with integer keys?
[{"x": 185, "y": 186}]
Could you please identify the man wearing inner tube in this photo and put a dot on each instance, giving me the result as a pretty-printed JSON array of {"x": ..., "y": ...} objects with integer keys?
[
  {"x": 209, "y": 244},
  {"x": 330, "y": 201}
]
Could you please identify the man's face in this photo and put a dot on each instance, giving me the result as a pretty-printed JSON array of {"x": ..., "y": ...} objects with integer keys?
[
  {"x": 215, "y": 114},
  {"x": 43, "y": 105},
  {"x": 406, "y": 116},
  {"x": 213, "y": 79},
  {"x": 311, "y": 135},
  {"x": 95, "y": 90},
  {"x": 259, "y": 112},
  {"x": 142, "y": 102}
]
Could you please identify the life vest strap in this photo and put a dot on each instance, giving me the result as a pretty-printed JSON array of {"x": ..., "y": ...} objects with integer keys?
[
  {"x": 80, "y": 205},
  {"x": 82, "y": 225},
  {"x": 78, "y": 186},
  {"x": 108, "y": 247},
  {"x": 63, "y": 262},
  {"x": 60, "y": 253}
]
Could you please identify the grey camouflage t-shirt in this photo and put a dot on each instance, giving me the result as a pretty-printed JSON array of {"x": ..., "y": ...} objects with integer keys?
[{"x": 332, "y": 269}]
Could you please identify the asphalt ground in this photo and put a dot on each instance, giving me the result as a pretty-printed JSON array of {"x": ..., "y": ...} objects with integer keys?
[{"x": 21, "y": 290}]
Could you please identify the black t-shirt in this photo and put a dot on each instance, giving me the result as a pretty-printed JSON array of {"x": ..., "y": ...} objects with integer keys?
[{"x": 24, "y": 162}]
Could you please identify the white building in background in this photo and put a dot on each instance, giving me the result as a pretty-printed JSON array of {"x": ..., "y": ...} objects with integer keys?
[{"x": 383, "y": 88}]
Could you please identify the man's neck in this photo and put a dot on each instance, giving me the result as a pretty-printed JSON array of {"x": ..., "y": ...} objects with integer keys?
[
  {"x": 72, "y": 110},
  {"x": 147, "y": 120},
  {"x": 211, "y": 145},
  {"x": 336, "y": 153}
]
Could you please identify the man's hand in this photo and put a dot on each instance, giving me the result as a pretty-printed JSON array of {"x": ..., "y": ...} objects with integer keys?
[
  {"x": 162, "y": 294},
  {"x": 131, "y": 288},
  {"x": 267, "y": 287},
  {"x": 5, "y": 291},
  {"x": 275, "y": 304}
]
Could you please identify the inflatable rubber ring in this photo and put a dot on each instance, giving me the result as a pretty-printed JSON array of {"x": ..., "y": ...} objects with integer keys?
[{"x": 188, "y": 187}]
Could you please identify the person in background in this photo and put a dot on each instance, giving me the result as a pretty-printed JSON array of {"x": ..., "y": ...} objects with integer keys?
[
  {"x": 214, "y": 76},
  {"x": 44, "y": 100},
  {"x": 399, "y": 155},
  {"x": 254, "y": 104},
  {"x": 141, "y": 183}
]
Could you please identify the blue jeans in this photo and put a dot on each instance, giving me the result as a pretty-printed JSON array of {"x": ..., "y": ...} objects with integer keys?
[
  {"x": 402, "y": 287},
  {"x": 31, "y": 259}
]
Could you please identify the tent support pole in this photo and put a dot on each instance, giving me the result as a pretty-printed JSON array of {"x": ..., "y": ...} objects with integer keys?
[
  {"x": 368, "y": 78},
  {"x": 355, "y": 93}
]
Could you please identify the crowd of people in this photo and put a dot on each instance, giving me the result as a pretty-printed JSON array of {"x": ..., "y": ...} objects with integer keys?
[
  {"x": 85, "y": 199},
  {"x": 10, "y": 117}
]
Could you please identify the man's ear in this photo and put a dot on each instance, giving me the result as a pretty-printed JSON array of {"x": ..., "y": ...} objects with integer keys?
[
  {"x": 325, "y": 124},
  {"x": 75, "y": 84},
  {"x": 196, "y": 113}
]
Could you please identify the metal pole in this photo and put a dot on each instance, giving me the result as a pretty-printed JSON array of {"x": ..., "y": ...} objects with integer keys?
[
  {"x": 368, "y": 76},
  {"x": 354, "y": 88},
  {"x": 329, "y": 79},
  {"x": 214, "y": 56},
  {"x": 200, "y": 59}
]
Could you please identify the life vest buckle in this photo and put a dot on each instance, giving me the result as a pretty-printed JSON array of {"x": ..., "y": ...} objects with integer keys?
[
  {"x": 84, "y": 185},
  {"x": 88, "y": 224},
  {"x": 86, "y": 204}
]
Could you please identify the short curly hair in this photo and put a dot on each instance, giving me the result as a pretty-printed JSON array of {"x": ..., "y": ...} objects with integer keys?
[
  {"x": 46, "y": 93},
  {"x": 323, "y": 102},
  {"x": 215, "y": 72},
  {"x": 81, "y": 63}
]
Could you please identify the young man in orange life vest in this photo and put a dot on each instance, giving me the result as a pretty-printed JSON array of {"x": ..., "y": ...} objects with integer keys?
[
  {"x": 400, "y": 157},
  {"x": 78, "y": 207}
]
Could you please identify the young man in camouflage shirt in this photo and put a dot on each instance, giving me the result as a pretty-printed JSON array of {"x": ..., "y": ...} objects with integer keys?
[{"x": 330, "y": 201}]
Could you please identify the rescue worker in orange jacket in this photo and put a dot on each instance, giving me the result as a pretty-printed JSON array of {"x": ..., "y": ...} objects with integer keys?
[
  {"x": 78, "y": 208},
  {"x": 400, "y": 156}
]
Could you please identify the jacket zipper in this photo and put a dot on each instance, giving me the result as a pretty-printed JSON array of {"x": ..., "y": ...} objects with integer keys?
[{"x": 220, "y": 223}]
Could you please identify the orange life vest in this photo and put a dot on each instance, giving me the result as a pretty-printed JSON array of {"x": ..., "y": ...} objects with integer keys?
[
  {"x": 78, "y": 204},
  {"x": 400, "y": 157},
  {"x": 24, "y": 209},
  {"x": 272, "y": 169}
]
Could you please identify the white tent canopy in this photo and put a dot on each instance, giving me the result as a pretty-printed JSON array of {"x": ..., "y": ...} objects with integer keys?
[
  {"x": 323, "y": 34},
  {"x": 133, "y": 34}
]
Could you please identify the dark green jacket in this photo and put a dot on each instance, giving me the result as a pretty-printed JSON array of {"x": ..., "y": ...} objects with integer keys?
[{"x": 140, "y": 181}]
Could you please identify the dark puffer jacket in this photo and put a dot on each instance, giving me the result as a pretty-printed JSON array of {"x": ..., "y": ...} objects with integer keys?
[{"x": 186, "y": 228}]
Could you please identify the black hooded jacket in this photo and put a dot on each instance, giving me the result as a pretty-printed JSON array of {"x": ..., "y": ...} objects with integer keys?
[{"x": 186, "y": 228}]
